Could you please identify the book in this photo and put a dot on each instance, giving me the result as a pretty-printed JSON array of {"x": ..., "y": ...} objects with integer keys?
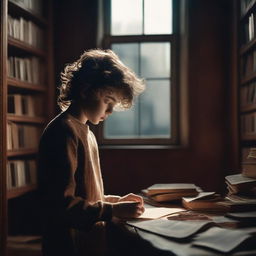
[
  {"x": 239, "y": 203},
  {"x": 248, "y": 129},
  {"x": 171, "y": 196},
  {"x": 22, "y": 136},
  {"x": 170, "y": 187},
  {"x": 252, "y": 153},
  {"x": 204, "y": 201},
  {"x": 239, "y": 183},
  {"x": 170, "y": 191},
  {"x": 243, "y": 216},
  {"x": 21, "y": 173}
]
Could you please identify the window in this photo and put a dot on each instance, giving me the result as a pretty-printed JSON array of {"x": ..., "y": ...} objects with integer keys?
[{"x": 144, "y": 35}]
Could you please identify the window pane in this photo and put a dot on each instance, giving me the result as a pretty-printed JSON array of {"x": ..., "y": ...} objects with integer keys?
[
  {"x": 126, "y": 17},
  {"x": 122, "y": 124},
  {"x": 155, "y": 110},
  {"x": 155, "y": 60},
  {"x": 158, "y": 16},
  {"x": 129, "y": 54}
]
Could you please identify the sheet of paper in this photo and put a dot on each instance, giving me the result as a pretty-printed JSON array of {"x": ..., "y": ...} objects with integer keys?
[
  {"x": 158, "y": 212},
  {"x": 171, "y": 228},
  {"x": 220, "y": 239},
  {"x": 199, "y": 196}
]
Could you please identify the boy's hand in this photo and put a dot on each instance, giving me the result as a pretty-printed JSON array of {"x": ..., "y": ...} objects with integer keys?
[
  {"x": 127, "y": 209},
  {"x": 132, "y": 197}
]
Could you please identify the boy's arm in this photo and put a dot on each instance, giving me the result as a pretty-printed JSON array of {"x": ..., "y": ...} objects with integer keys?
[
  {"x": 128, "y": 197},
  {"x": 112, "y": 198}
]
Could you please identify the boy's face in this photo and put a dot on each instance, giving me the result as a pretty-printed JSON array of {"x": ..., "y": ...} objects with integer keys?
[{"x": 103, "y": 106}]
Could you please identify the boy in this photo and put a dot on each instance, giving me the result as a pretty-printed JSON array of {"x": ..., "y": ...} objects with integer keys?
[{"x": 70, "y": 182}]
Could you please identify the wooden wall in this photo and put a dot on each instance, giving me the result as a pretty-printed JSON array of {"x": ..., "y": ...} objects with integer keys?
[{"x": 207, "y": 159}]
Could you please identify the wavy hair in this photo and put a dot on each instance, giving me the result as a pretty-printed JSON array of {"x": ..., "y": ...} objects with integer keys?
[{"x": 95, "y": 70}]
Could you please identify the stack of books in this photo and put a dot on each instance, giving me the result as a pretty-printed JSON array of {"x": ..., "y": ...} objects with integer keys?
[
  {"x": 241, "y": 193},
  {"x": 238, "y": 184},
  {"x": 170, "y": 191}
]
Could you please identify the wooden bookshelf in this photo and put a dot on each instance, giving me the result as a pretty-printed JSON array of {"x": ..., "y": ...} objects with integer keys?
[
  {"x": 248, "y": 108},
  {"x": 23, "y": 47},
  {"x": 246, "y": 13},
  {"x": 15, "y": 192},
  {"x": 26, "y": 119},
  {"x": 247, "y": 10},
  {"x": 21, "y": 10},
  {"x": 15, "y": 83},
  {"x": 26, "y": 70},
  {"x": 248, "y": 78},
  {"x": 21, "y": 152},
  {"x": 245, "y": 48}
]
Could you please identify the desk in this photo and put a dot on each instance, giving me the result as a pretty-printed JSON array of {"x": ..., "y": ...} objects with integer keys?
[{"x": 133, "y": 241}]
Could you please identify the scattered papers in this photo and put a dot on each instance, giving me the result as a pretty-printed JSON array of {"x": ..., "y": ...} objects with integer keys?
[
  {"x": 172, "y": 228},
  {"x": 220, "y": 239}
]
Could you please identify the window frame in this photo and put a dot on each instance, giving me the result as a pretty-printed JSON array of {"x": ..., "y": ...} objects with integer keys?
[{"x": 173, "y": 39}]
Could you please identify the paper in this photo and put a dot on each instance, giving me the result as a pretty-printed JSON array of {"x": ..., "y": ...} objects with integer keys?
[
  {"x": 201, "y": 195},
  {"x": 172, "y": 228},
  {"x": 158, "y": 212},
  {"x": 220, "y": 239}
]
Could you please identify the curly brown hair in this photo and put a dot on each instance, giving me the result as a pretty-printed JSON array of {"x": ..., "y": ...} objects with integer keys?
[{"x": 95, "y": 70}]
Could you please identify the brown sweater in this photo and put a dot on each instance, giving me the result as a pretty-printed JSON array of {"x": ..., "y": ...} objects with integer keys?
[{"x": 70, "y": 183}]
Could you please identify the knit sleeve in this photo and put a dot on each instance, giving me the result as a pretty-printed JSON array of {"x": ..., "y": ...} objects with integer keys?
[
  {"x": 58, "y": 165},
  {"x": 111, "y": 198}
]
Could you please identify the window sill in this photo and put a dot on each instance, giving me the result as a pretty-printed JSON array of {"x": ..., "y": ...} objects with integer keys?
[{"x": 168, "y": 147}]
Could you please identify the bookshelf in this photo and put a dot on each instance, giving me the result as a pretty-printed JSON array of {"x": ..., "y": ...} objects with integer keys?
[
  {"x": 246, "y": 21},
  {"x": 27, "y": 103}
]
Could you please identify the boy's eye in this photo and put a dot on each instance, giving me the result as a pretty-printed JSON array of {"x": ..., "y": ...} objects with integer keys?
[{"x": 110, "y": 107}]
